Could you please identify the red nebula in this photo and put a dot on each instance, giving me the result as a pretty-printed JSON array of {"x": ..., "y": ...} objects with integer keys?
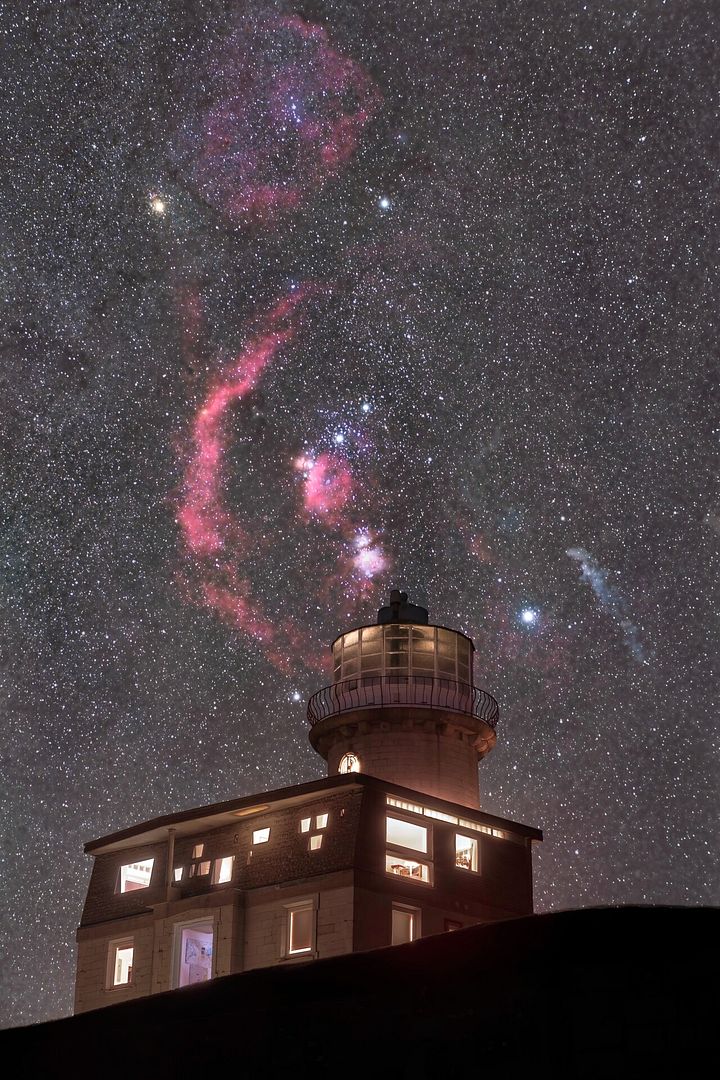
[
  {"x": 284, "y": 112},
  {"x": 217, "y": 545},
  {"x": 202, "y": 516},
  {"x": 328, "y": 487}
]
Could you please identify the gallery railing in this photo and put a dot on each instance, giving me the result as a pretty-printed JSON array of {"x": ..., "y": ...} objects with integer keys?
[{"x": 368, "y": 691}]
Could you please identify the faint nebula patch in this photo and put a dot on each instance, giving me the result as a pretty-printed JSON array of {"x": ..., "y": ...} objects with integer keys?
[{"x": 609, "y": 598}]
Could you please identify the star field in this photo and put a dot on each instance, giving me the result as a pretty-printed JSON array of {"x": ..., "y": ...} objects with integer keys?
[{"x": 303, "y": 302}]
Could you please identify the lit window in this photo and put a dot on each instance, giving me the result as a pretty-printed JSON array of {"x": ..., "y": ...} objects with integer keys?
[
  {"x": 466, "y": 852},
  {"x": 321, "y": 821},
  {"x": 197, "y": 851},
  {"x": 406, "y": 834},
  {"x": 404, "y": 925},
  {"x": 120, "y": 962},
  {"x": 439, "y": 816},
  {"x": 453, "y": 924},
  {"x": 407, "y": 868},
  {"x": 475, "y": 826},
  {"x": 315, "y": 843},
  {"x": 135, "y": 876},
  {"x": 349, "y": 763},
  {"x": 177, "y": 873},
  {"x": 223, "y": 869},
  {"x": 305, "y": 824},
  {"x": 204, "y": 868},
  {"x": 261, "y": 836},
  {"x": 401, "y": 805},
  {"x": 300, "y": 928}
]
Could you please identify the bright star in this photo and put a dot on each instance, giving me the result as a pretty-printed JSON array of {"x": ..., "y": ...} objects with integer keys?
[
  {"x": 384, "y": 203},
  {"x": 528, "y": 616},
  {"x": 158, "y": 205}
]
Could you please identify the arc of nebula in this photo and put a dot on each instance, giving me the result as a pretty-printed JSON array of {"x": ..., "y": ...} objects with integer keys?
[
  {"x": 610, "y": 599},
  {"x": 214, "y": 539}
]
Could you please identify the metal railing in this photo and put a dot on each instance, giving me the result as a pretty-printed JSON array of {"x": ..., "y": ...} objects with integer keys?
[{"x": 368, "y": 691}]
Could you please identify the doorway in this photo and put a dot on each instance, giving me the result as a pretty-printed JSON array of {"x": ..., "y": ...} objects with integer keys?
[{"x": 193, "y": 949}]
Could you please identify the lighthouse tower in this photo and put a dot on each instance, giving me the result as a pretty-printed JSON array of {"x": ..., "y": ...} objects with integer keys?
[{"x": 403, "y": 706}]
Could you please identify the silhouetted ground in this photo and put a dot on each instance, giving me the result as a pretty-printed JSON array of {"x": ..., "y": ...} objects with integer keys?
[{"x": 594, "y": 993}]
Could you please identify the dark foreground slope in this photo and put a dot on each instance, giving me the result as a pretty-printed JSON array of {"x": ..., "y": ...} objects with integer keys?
[{"x": 592, "y": 993}]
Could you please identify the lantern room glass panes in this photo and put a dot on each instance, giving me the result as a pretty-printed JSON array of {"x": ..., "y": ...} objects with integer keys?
[
  {"x": 391, "y": 649},
  {"x": 396, "y": 649}
]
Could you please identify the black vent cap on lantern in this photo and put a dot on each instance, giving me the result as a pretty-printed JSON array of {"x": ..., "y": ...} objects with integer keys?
[{"x": 400, "y": 611}]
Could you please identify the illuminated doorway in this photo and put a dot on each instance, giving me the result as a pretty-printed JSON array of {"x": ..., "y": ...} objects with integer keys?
[{"x": 193, "y": 948}]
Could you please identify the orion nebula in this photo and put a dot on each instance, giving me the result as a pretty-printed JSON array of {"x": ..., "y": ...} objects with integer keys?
[{"x": 282, "y": 114}]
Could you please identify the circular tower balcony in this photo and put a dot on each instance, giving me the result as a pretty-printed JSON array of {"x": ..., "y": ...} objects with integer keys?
[{"x": 403, "y": 706}]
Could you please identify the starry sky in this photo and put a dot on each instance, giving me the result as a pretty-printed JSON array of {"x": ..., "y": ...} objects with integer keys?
[{"x": 305, "y": 301}]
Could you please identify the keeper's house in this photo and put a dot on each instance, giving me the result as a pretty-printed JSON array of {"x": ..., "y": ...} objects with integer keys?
[{"x": 390, "y": 847}]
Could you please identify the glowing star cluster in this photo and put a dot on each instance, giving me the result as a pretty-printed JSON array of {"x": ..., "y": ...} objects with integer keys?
[
  {"x": 283, "y": 112},
  {"x": 369, "y": 559}
]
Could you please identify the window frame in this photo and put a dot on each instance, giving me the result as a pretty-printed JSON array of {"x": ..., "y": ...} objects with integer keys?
[
  {"x": 426, "y": 828},
  {"x": 422, "y": 858},
  {"x": 304, "y": 903},
  {"x": 119, "y": 891},
  {"x": 416, "y": 915},
  {"x": 217, "y": 868},
  {"x": 257, "y": 832},
  {"x": 114, "y": 946},
  {"x": 474, "y": 842}
]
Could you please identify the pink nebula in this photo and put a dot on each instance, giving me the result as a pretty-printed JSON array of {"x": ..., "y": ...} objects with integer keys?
[
  {"x": 328, "y": 487},
  {"x": 202, "y": 515},
  {"x": 285, "y": 111}
]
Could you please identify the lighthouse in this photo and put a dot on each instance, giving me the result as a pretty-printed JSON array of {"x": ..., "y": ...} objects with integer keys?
[
  {"x": 391, "y": 846},
  {"x": 403, "y": 705}
]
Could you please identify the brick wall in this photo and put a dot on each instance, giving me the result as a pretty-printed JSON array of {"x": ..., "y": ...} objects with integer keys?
[
  {"x": 427, "y": 761},
  {"x": 266, "y": 920},
  {"x": 91, "y": 989}
]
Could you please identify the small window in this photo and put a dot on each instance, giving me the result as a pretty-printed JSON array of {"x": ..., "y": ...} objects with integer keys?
[
  {"x": 204, "y": 868},
  {"x": 198, "y": 851},
  {"x": 300, "y": 928},
  {"x": 120, "y": 963},
  {"x": 223, "y": 870},
  {"x": 466, "y": 852},
  {"x": 315, "y": 843},
  {"x": 407, "y": 868},
  {"x": 305, "y": 824},
  {"x": 404, "y": 925},
  {"x": 406, "y": 834},
  {"x": 261, "y": 836},
  {"x": 349, "y": 763},
  {"x": 135, "y": 876},
  {"x": 177, "y": 874},
  {"x": 321, "y": 821},
  {"x": 453, "y": 924}
]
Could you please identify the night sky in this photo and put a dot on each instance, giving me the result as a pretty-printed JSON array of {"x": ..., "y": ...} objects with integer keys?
[{"x": 303, "y": 302}]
